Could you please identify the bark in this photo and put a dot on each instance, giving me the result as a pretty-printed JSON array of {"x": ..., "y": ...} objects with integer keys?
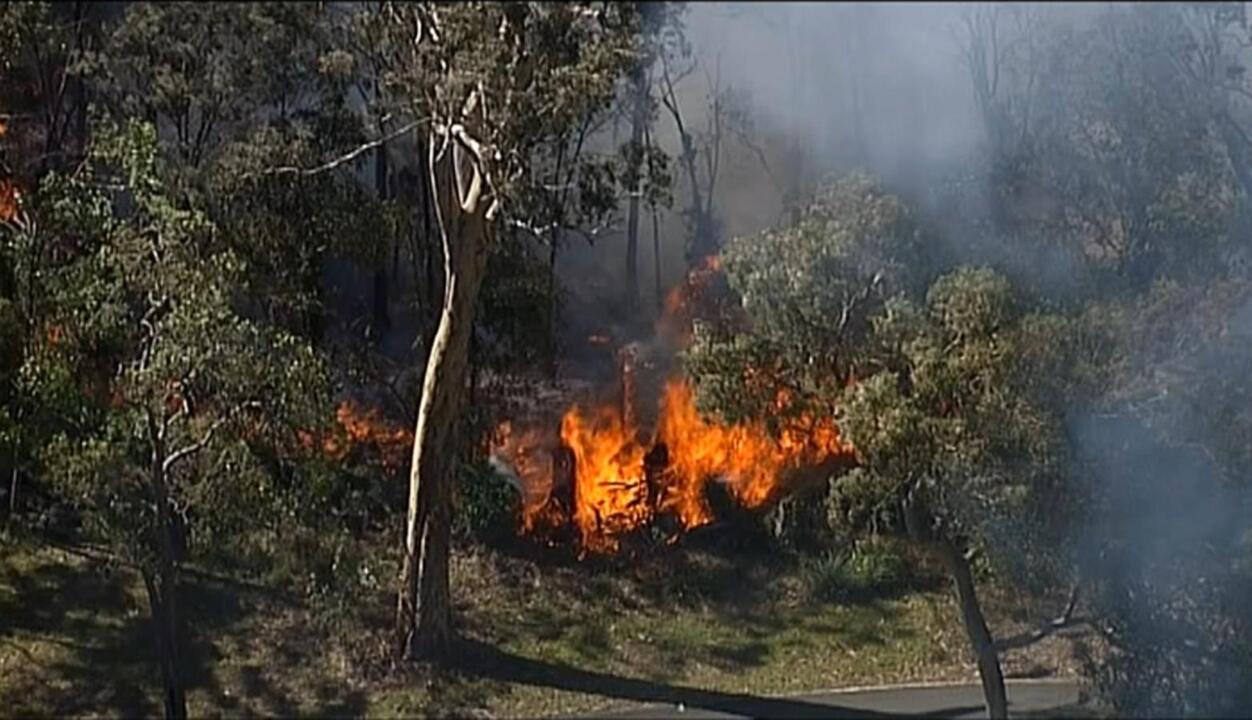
[
  {"x": 552, "y": 308},
  {"x": 700, "y": 241},
  {"x": 423, "y": 614},
  {"x": 976, "y": 627},
  {"x": 919, "y": 525},
  {"x": 161, "y": 604},
  {"x": 382, "y": 320},
  {"x": 656, "y": 262},
  {"x": 13, "y": 484},
  {"x": 639, "y": 117},
  {"x": 161, "y": 583}
]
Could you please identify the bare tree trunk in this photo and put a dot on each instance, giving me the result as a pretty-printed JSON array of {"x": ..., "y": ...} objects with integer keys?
[
  {"x": 656, "y": 261},
  {"x": 552, "y": 306},
  {"x": 976, "y": 628},
  {"x": 12, "y": 487},
  {"x": 161, "y": 605},
  {"x": 920, "y": 527},
  {"x": 424, "y": 612},
  {"x": 381, "y": 317},
  {"x": 162, "y": 587},
  {"x": 640, "y": 116}
]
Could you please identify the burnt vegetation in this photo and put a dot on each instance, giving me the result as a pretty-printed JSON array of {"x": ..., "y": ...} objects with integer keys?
[{"x": 508, "y": 358}]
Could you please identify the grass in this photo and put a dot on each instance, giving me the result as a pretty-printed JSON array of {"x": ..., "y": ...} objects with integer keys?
[
  {"x": 543, "y": 636},
  {"x": 75, "y": 641}
]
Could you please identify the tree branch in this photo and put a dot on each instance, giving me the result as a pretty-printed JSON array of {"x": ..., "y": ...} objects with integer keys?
[
  {"x": 200, "y": 444},
  {"x": 342, "y": 159},
  {"x": 469, "y": 197},
  {"x": 1066, "y": 620}
]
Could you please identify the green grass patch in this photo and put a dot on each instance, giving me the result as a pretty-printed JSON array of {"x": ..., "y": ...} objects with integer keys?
[{"x": 543, "y": 637}]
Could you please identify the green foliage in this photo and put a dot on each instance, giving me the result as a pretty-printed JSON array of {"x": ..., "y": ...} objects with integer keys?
[
  {"x": 575, "y": 55},
  {"x": 1166, "y": 469},
  {"x": 809, "y": 290},
  {"x": 241, "y": 89},
  {"x": 487, "y": 505},
  {"x": 513, "y": 310},
  {"x": 939, "y": 396},
  {"x": 210, "y": 70},
  {"x": 801, "y": 523},
  {"x": 154, "y": 363},
  {"x": 867, "y": 570},
  {"x": 1139, "y": 165},
  {"x": 810, "y": 286}
]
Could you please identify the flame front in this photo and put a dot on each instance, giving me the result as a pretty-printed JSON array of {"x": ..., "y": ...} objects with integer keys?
[
  {"x": 622, "y": 482},
  {"x": 362, "y": 427},
  {"x": 612, "y": 495},
  {"x": 533, "y": 467},
  {"x": 754, "y": 464},
  {"x": 610, "y": 491}
]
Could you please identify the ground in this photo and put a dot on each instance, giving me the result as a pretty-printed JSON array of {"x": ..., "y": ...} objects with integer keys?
[{"x": 542, "y": 636}]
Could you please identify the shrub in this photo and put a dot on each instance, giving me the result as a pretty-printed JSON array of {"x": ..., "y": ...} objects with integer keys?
[
  {"x": 487, "y": 504},
  {"x": 869, "y": 569},
  {"x": 800, "y": 523}
]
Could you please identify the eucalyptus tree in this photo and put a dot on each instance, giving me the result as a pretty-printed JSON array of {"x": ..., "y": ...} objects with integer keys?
[
  {"x": 488, "y": 86},
  {"x": 944, "y": 386},
  {"x": 154, "y": 390},
  {"x": 243, "y": 95}
]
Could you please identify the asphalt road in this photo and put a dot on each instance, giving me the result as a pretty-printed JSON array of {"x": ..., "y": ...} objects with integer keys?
[{"x": 1027, "y": 698}]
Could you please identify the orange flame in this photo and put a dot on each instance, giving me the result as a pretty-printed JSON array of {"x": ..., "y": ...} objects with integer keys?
[
  {"x": 614, "y": 490},
  {"x": 683, "y": 301},
  {"x": 610, "y": 491},
  {"x": 755, "y": 464},
  {"x": 612, "y": 495},
  {"x": 9, "y": 197},
  {"x": 525, "y": 451},
  {"x": 361, "y": 427},
  {"x": 395, "y": 444},
  {"x": 53, "y": 335}
]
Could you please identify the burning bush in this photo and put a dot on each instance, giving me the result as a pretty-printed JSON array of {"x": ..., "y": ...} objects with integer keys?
[{"x": 647, "y": 454}]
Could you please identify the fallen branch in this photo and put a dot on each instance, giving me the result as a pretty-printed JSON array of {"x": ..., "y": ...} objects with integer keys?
[{"x": 1066, "y": 620}]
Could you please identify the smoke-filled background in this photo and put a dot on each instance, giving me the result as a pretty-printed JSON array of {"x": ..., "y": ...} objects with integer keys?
[
  {"x": 981, "y": 269},
  {"x": 826, "y": 89}
]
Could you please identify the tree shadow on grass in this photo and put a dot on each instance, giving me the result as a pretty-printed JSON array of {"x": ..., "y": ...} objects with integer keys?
[
  {"x": 99, "y": 661},
  {"x": 710, "y": 608},
  {"x": 482, "y": 660},
  {"x": 479, "y": 665},
  {"x": 85, "y": 638}
]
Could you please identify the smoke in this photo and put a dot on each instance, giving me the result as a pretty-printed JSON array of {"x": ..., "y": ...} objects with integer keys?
[
  {"x": 837, "y": 87},
  {"x": 827, "y": 88},
  {"x": 875, "y": 86}
]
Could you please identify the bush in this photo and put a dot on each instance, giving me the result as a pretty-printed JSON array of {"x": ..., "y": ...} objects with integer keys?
[
  {"x": 487, "y": 504},
  {"x": 868, "y": 569},
  {"x": 800, "y": 523}
]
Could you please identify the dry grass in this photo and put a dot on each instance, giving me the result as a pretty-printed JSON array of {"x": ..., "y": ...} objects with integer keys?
[{"x": 545, "y": 636}]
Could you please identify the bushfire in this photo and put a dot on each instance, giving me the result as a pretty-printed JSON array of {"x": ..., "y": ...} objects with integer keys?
[
  {"x": 617, "y": 483},
  {"x": 609, "y": 472},
  {"x": 611, "y": 467},
  {"x": 360, "y": 426}
]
